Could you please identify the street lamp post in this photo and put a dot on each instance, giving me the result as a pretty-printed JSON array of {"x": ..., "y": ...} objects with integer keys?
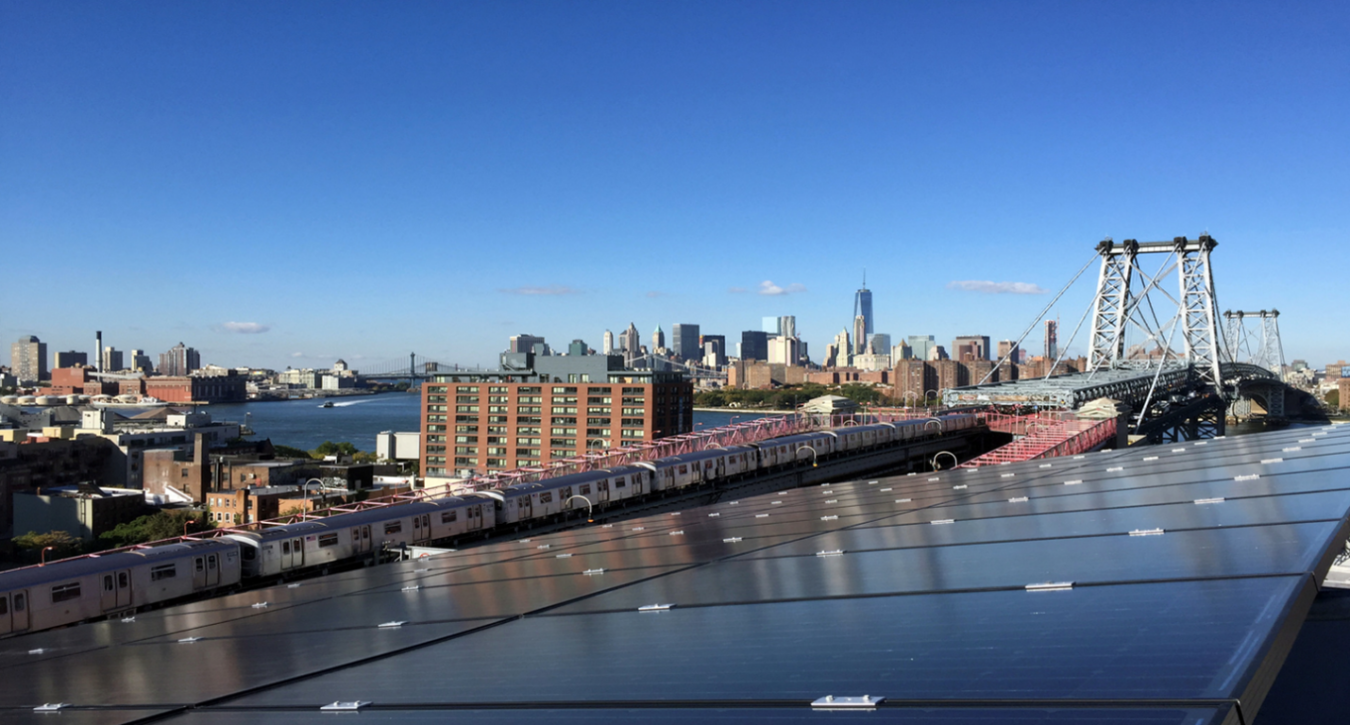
[
  {"x": 323, "y": 494},
  {"x": 45, "y": 549},
  {"x": 186, "y": 524}
]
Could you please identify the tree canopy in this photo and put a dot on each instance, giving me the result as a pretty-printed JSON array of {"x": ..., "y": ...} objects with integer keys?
[{"x": 157, "y": 526}]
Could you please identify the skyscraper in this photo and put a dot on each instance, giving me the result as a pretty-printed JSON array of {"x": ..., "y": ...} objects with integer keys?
[
  {"x": 684, "y": 341},
  {"x": 787, "y": 325},
  {"x": 112, "y": 360},
  {"x": 179, "y": 360},
  {"x": 1052, "y": 340},
  {"x": 754, "y": 345},
  {"x": 71, "y": 359},
  {"x": 921, "y": 346},
  {"x": 524, "y": 342},
  {"x": 28, "y": 359},
  {"x": 843, "y": 349},
  {"x": 631, "y": 343},
  {"x": 970, "y": 347},
  {"x": 862, "y": 306},
  {"x": 859, "y": 335},
  {"x": 608, "y": 345},
  {"x": 658, "y": 339}
]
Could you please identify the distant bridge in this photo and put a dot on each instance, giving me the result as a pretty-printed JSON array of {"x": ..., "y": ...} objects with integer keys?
[{"x": 1172, "y": 395}]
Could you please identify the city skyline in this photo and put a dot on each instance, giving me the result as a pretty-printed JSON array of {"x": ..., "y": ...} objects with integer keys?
[{"x": 475, "y": 172}]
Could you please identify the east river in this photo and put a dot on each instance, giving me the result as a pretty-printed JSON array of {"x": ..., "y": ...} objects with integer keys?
[{"x": 358, "y": 419}]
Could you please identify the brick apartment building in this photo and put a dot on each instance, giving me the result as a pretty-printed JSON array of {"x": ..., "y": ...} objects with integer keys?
[{"x": 539, "y": 409}]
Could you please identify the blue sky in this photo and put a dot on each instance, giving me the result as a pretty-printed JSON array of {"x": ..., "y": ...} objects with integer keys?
[{"x": 286, "y": 183}]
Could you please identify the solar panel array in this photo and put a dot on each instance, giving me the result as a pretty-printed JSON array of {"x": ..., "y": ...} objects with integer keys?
[{"x": 1147, "y": 585}]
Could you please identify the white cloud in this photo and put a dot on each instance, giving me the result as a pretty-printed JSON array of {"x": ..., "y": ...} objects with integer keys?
[
  {"x": 297, "y": 354},
  {"x": 769, "y": 288},
  {"x": 553, "y": 289},
  {"x": 998, "y": 288},
  {"x": 245, "y": 328}
]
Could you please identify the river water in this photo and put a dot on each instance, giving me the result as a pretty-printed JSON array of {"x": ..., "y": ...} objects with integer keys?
[{"x": 305, "y": 424}]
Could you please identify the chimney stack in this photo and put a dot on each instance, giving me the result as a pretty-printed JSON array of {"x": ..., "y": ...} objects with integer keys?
[{"x": 98, "y": 350}]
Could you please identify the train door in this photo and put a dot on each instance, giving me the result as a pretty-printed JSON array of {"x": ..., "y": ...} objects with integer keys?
[
  {"x": 107, "y": 591},
  {"x": 298, "y": 552},
  {"x": 526, "y": 507},
  {"x": 18, "y": 607},
  {"x": 198, "y": 572},
  {"x": 422, "y": 527},
  {"x": 361, "y": 539},
  {"x": 124, "y": 588},
  {"x": 4, "y": 613},
  {"x": 285, "y": 555},
  {"x": 212, "y": 570},
  {"x": 602, "y": 491}
]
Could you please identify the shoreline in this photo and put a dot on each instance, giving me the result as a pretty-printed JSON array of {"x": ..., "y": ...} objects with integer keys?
[{"x": 745, "y": 411}]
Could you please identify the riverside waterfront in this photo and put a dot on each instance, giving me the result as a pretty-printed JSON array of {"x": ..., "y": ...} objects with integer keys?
[{"x": 305, "y": 424}]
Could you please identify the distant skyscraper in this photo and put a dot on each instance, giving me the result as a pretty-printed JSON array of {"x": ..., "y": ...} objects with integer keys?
[
  {"x": 631, "y": 344},
  {"x": 754, "y": 345},
  {"x": 843, "y": 349},
  {"x": 787, "y": 325},
  {"x": 862, "y": 305},
  {"x": 1008, "y": 349},
  {"x": 684, "y": 341},
  {"x": 1052, "y": 340},
  {"x": 28, "y": 359},
  {"x": 112, "y": 360},
  {"x": 524, "y": 343},
  {"x": 608, "y": 343},
  {"x": 970, "y": 347},
  {"x": 658, "y": 339},
  {"x": 921, "y": 346},
  {"x": 719, "y": 343},
  {"x": 71, "y": 359},
  {"x": 179, "y": 360},
  {"x": 859, "y": 335},
  {"x": 578, "y": 347},
  {"x": 879, "y": 343},
  {"x": 140, "y": 362}
]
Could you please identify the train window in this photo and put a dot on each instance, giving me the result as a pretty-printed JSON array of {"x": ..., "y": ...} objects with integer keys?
[
  {"x": 365, "y": 533},
  {"x": 107, "y": 583},
  {"x": 285, "y": 547},
  {"x": 65, "y": 592},
  {"x": 199, "y": 564},
  {"x": 122, "y": 579},
  {"x": 163, "y": 571},
  {"x": 19, "y": 603},
  {"x": 448, "y": 516},
  {"x": 326, "y": 540},
  {"x": 585, "y": 489},
  {"x": 211, "y": 562},
  {"x": 545, "y": 497},
  {"x": 4, "y": 605},
  {"x": 417, "y": 522},
  {"x": 393, "y": 527},
  {"x": 250, "y": 553},
  {"x": 619, "y": 483}
]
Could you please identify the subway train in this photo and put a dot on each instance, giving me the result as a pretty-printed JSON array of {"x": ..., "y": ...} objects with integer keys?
[{"x": 118, "y": 584}]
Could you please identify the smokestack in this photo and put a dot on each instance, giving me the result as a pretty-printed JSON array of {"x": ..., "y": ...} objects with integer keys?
[{"x": 98, "y": 350}]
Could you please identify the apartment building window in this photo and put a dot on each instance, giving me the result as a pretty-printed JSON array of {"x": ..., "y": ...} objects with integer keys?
[
  {"x": 564, "y": 391},
  {"x": 562, "y": 443},
  {"x": 529, "y": 390},
  {"x": 466, "y": 409},
  {"x": 564, "y": 410},
  {"x": 598, "y": 391},
  {"x": 564, "y": 431},
  {"x": 632, "y": 422},
  {"x": 627, "y": 433},
  {"x": 601, "y": 432},
  {"x": 527, "y": 430},
  {"x": 466, "y": 462},
  {"x": 435, "y": 428},
  {"x": 436, "y": 408},
  {"x": 466, "y": 429},
  {"x": 497, "y": 389},
  {"x": 466, "y": 450},
  {"x": 496, "y": 463},
  {"x": 497, "y": 419},
  {"x": 597, "y": 421},
  {"x": 599, "y": 401}
]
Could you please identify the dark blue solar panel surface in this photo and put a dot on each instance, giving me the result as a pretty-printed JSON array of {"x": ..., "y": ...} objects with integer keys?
[{"x": 1169, "y": 627}]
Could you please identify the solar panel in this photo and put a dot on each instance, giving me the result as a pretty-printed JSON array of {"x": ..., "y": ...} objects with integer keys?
[{"x": 1147, "y": 585}]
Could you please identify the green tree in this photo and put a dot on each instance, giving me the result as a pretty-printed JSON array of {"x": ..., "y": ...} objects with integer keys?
[
  {"x": 157, "y": 526},
  {"x": 62, "y": 543},
  {"x": 329, "y": 448},
  {"x": 1334, "y": 400},
  {"x": 289, "y": 452}
]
